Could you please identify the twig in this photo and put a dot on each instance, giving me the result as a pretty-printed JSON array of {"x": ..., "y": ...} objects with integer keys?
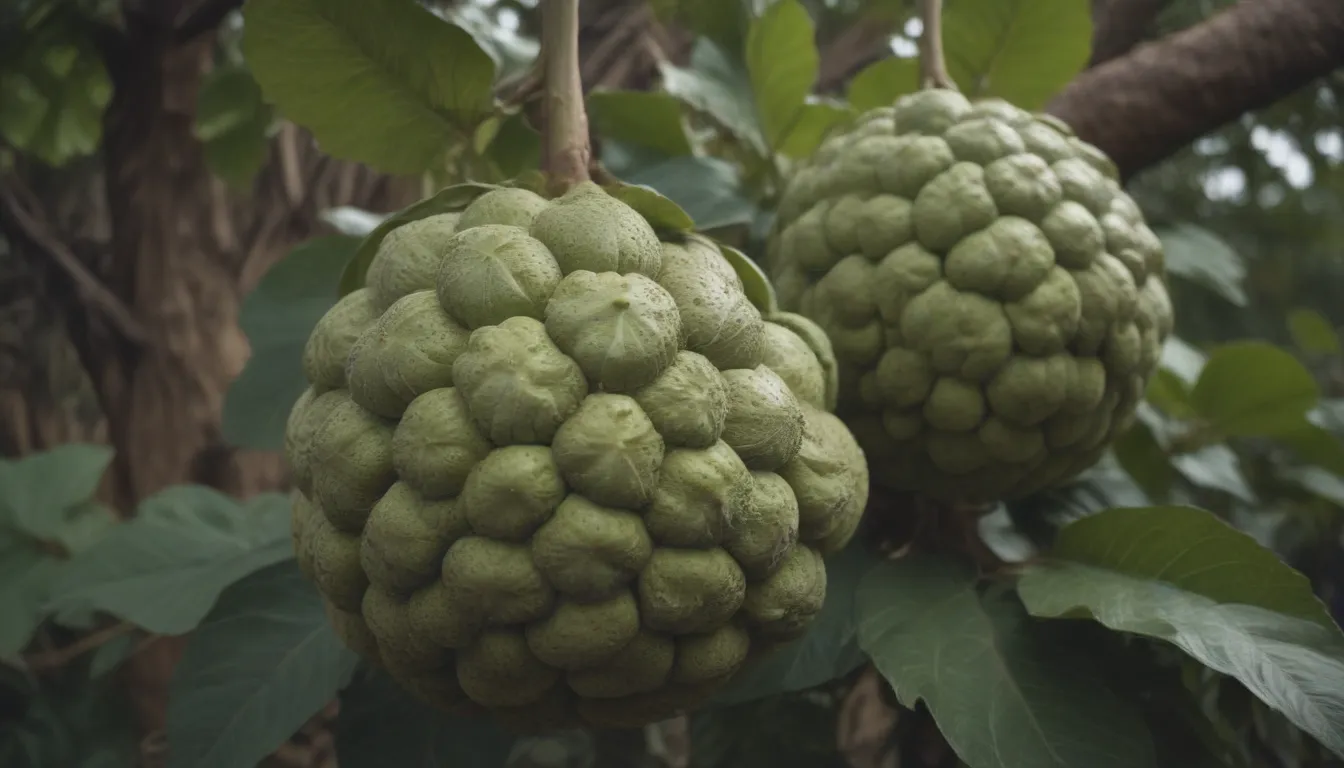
[
  {"x": 86, "y": 283},
  {"x": 59, "y": 657},
  {"x": 932, "y": 65},
  {"x": 566, "y": 139}
]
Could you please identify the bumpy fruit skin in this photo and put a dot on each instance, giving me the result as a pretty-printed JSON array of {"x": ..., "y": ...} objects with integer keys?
[
  {"x": 553, "y": 469},
  {"x": 995, "y": 300}
]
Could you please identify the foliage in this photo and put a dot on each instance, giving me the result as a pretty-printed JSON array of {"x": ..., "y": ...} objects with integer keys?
[{"x": 1177, "y": 582}]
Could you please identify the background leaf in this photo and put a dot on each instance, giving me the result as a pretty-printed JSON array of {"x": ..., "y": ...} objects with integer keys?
[
  {"x": 717, "y": 86},
  {"x": 881, "y": 83},
  {"x": 1023, "y": 51},
  {"x": 233, "y": 122},
  {"x": 706, "y": 188},
  {"x": 1003, "y": 694},
  {"x": 1254, "y": 388},
  {"x": 278, "y": 316},
  {"x": 54, "y": 95},
  {"x": 264, "y": 661},
  {"x": 38, "y": 492},
  {"x": 323, "y": 61},
  {"x": 811, "y": 125},
  {"x": 782, "y": 62},
  {"x": 163, "y": 569},
  {"x": 829, "y": 650},
  {"x": 1312, "y": 332},
  {"x": 1200, "y": 256},
  {"x": 647, "y": 118}
]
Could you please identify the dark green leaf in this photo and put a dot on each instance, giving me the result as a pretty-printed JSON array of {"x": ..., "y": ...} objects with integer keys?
[
  {"x": 660, "y": 211},
  {"x": 647, "y": 118},
  {"x": 755, "y": 283},
  {"x": 1312, "y": 332},
  {"x": 111, "y": 654},
  {"x": 1254, "y": 388},
  {"x": 782, "y": 63},
  {"x": 1170, "y": 393},
  {"x": 164, "y": 568},
  {"x": 829, "y": 650},
  {"x": 381, "y": 725},
  {"x": 233, "y": 123},
  {"x": 1143, "y": 458},
  {"x": 447, "y": 200},
  {"x": 1003, "y": 694},
  {"x": 1200, "y": 256},
  {"x": 1023, "y": 51},
  {"x": 40, "y": 492},
  {"x": 723, "y": 21},
  {"x": 25, "y": 581},
  {"x": 278, "y": 316},
  {"x": 53, "y": 98},
  {"x": 515, "y": 147},
  {"x": 717, "y": 86},
  {"x": 707, "y": 188},
  {"x": 813, "y": 121},
  {"x": 881, "y": 83},
  {"x": 265, "y": 660},
  {"x": 1182, "y": 575},
  {"x": 1316, "y": 445},
  {"x": 388, "y": 84}
]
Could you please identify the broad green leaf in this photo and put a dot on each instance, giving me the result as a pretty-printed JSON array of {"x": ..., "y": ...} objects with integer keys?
[
  {"x": 814, "y": 120},
  {"x": 278, "y": 316},
  {"x": 25, "y": 581},
  {"x": 1191, "y": 550},
  {"x": 1182, "y": 575},
  {"x": 515, "y": 147},
  {"x": 263, "y": 662},
  {"x": 41, "y": 492},
  {"x": 1316, "y": 445},
  {"x": 163, "y": 569},
  {"x": 661, "y": 212},
  {"x": 389, "y": 84},
  {"x": 1200, "y": 256},
  {"x": 647, "y": 118},
  {"x": 53, "y": 96},
  {"x": 1254, "y": 388},
  {"x": 1170, "y": 393},
  {"x": 1023, "y": 51},
  {"x": 446, "y": 200},
  {"x": 782, "y": 63},
  {"x": 381, "y": 725},
  {"x": 755, "y": 283},
  {"x": 880, "y": 84},
  {"x": 1003, "y": 694},
  {"x": 829, "y": 650},
  {"x": 1312, "y": 332},
  {"x": 1144, "y": 459},
  {"x": 233, "y": 123},
  {"x": 718, "y": 87},
  {"x": 707, "y": 188}
]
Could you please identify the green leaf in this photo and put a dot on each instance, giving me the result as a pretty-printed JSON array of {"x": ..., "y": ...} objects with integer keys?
[
  {"x": 264, "y": 661},
  {"x": 1254, "y": 388},
  {"x": 164, "y": 568},
  {"x": 1316, "y": 445},
  {"x": 1312, "y": 332},
  {"x": 717, "y": 86},
  {"x": 1217, "y": 468},
  {"x": 381, "y": 725},
  {"x": 813, "y": 121},
  {"x": 880, "y": 84},
  {"x": 708, "y": 189},
  {"x": 53, "y": 98},
  {"x": 1198, "y": 255},
  {"x": 515, "y": 147},
  {"x": 647, "y": 118},
  {"x": 25, "y": 580},
  {"x": 40, "y": 492},
  {"x": 388, "y": 84},
  {"x": 233, "y": 122},
  {"x": 1023, "y": 51},
  {"x": 447, "y": 200},
  {"x": 662, "y": 213},
  {"x": 1170, "y": 393},
  {"x": 723, "y": 21},
  {"x": 782, "y": 63},
  {"x": 111, "y": 654},
  {"x": 1181, "y": 575},
  {"x": 755, "y": 283},
  {"x": 1003, "y": 694},
  {"x": 829, "y": 650},
  {"x": 278, "y": 316},
  {"x": 1143, "y": 458}
]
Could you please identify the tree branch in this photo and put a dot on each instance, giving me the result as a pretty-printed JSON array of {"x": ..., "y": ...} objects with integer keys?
[
  {"x": 566, "y": 132},
  {"x": 1143, "y": 107},
  {"x": 1119, "y": 25}
]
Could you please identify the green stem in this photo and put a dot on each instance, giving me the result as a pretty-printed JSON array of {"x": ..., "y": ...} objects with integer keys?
[
  {"x": 566, "y": 130},
  {"x": 932, "y": 64}
]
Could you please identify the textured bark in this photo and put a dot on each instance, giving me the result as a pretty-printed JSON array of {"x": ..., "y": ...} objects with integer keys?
[{"x": 1143, "y": 107}]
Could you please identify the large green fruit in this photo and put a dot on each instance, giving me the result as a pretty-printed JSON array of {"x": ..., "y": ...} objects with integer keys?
[
  {"x": 995, "y": 300},
  {"x": 555, "y": 469}
]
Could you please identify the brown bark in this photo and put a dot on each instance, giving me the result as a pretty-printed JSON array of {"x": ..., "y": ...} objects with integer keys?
[{"x": 1143, "y": 107}]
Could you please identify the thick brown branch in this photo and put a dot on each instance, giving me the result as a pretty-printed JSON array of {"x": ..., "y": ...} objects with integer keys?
[
  {"x": 1119, "y": 25},
  {"x": 1143, "y": 107}
]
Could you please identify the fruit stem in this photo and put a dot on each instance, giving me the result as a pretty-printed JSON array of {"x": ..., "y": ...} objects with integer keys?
[
  {"x": 567, "y": 150},
  {"x": 932, "y": 64}
]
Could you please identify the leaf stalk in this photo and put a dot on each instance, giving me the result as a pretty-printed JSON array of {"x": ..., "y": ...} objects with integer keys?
[
  {"x": 932, "y": 63},
  {"x": 567, "y": 149}
]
